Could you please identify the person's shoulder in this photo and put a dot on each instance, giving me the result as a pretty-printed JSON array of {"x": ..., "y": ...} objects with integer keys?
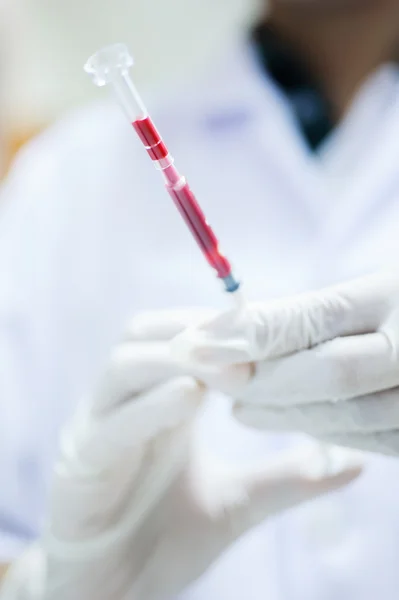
[
  {"x": 63, "y": 165},
  {"x": 74, "y": 134}
]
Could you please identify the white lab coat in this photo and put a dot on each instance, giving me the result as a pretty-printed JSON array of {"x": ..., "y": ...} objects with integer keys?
[{"x": 88, "y": 236}]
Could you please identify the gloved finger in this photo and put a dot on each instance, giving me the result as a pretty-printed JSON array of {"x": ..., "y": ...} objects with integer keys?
[
  {"x": 133, "y": 368},
  {"x": 366, "y": 414},
  {"x": 96, "y": 442},
  {"x": 116, "y": 489},
  {"x": 163, "y": 325},
  {"x": 257, "y": 331},
  {"x": 287, "y": 482},
  {"x": 136, "y": 367},
  {"x": 341, "y": 369},
  {"x": 381, "y": 442}
]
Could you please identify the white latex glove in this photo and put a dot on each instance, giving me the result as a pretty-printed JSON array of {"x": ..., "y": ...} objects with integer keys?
[
  {"x": 325, "y": 363},
  {"x": 138, "y": 510}
]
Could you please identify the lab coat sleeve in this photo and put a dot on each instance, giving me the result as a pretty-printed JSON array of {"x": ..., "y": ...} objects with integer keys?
[
  {"x": 21, "y": 383},
  {"x": 62, "y": 305}
]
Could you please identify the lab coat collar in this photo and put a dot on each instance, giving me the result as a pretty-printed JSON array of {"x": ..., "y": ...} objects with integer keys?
[
  {"x": 240, "y": 96},
  {"x": 363, "y": 151}
]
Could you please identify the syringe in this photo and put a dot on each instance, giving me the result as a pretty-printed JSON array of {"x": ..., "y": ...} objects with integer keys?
[{"x": 111, "y": 65}]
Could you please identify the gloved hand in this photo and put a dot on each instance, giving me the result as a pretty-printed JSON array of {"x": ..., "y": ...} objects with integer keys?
[
  {"x": 324, "y": 363},
  {"x": 138, "y": 510}
]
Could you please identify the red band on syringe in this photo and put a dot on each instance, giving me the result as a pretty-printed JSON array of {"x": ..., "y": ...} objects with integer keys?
[
  {"x": 183, "y": 198},
  {"x": 150, "y": 137}
]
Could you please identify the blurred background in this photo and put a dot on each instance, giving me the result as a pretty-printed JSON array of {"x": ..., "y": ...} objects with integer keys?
[{"x": 44, "y": 43}]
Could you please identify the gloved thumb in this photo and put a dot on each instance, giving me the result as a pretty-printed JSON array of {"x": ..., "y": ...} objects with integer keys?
[
  {"x": 291, "y": 480},
  {"x": 254, "y": 332},
  {"x": 93, "y": 443}
]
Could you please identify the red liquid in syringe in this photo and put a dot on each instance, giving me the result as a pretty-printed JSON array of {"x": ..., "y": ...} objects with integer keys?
[{"x": 183, "y": 197}]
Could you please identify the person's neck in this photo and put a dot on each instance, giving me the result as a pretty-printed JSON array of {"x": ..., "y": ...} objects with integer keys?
[{"x": 341, "y": 51}]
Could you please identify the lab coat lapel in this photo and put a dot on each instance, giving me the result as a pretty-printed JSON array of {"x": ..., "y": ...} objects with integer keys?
[
  {"x": 271, "y": 134},
  {"x": 374, "y": 136},
  {"x": 373, "y": 125},
  {"x": 287, "y": 158}
]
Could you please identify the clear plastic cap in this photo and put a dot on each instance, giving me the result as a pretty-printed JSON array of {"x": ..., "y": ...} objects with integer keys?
[{"x": 110, "y": 65}]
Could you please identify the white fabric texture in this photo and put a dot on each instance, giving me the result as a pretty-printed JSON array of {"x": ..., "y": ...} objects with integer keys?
[
  {"x": 26, "y": 578},
  {"x": 325, "y": 363}
]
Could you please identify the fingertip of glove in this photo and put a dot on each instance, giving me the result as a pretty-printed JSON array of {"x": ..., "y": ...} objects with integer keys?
[
  {"x": 164, "y": 324},
  {"x": 195, "y": 346},
  {"x": 182, "y": 398},
  {"x": 190, "y": 386},
  {"x": 188, "y": 389},
  {"x": 231, "y": 380},
  {"x": 331, "y": 463}
]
